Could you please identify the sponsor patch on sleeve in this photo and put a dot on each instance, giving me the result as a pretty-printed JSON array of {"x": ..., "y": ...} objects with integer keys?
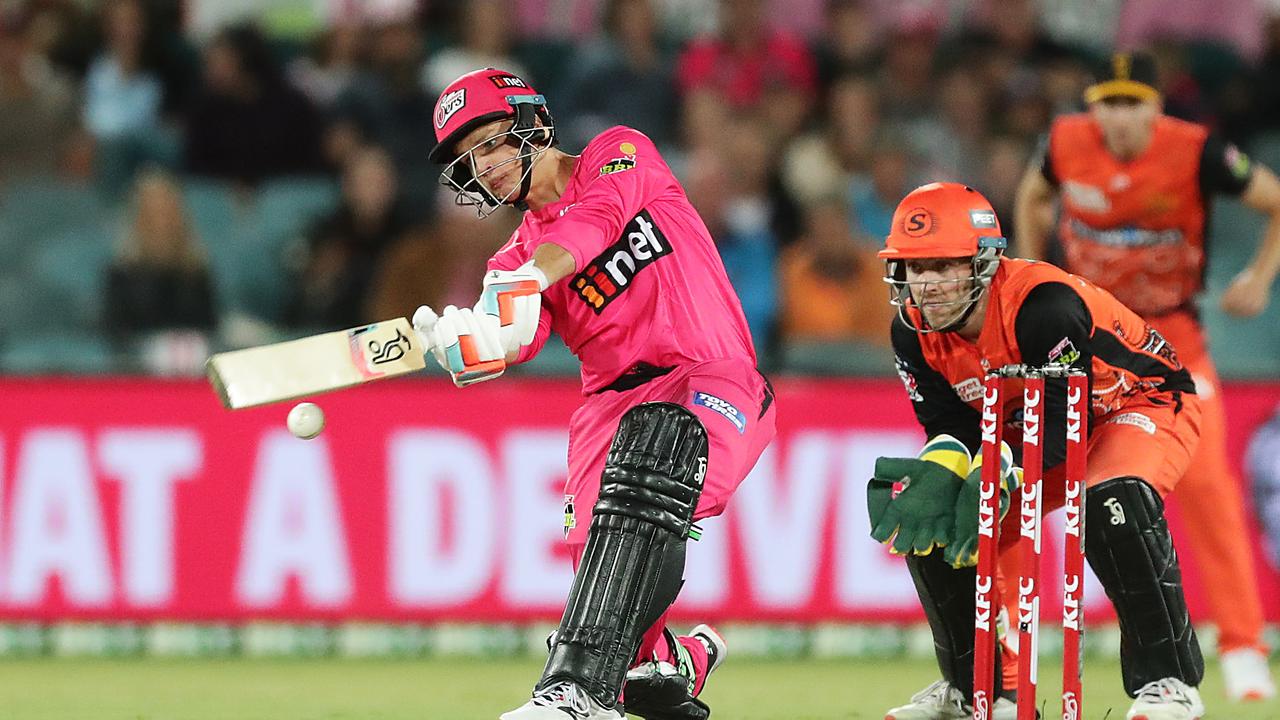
[
  {"x": 908, "y": 381},
  {"x": 617, "y": 165},
  {"x": 1237, "y": 162},
  {"x": 724, "y": 407},
  {"x": 1064, "y": 353},
  {"x": 570, "y": 515}
]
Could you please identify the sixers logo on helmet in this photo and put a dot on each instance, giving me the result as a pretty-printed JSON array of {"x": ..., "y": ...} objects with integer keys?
[{"x": 450, "y": 103}]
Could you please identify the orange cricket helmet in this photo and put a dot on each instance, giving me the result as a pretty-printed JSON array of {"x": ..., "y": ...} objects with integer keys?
[{"x": 942, "y": 220}]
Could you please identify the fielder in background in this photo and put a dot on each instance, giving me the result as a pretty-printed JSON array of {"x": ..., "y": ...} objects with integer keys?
[
  {"x": 610, "y": 255},
  {"x": 965, "y": 309},
  {"x": 1136, "y": 189}
]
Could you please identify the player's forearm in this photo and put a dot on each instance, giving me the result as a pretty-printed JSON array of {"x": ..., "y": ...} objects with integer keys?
[
  {"x": 555, "y": 262},
  {"x": 1266, "y": 263},
  {"x": 1033, "y": 216},
  {"x": 1263, "y": 195}
]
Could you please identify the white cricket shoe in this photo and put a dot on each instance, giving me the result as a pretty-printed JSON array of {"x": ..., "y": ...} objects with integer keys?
[
  {"x": 717, "y": 648},
  {"x": 941, "y": 701},
  {"x": 1166, "y": 699},
  {"x": 1247, "y": 676},
  {"x": 562, "y": 701}
]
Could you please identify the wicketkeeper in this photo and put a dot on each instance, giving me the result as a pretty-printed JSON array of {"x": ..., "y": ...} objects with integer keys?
[{"x": 965, "y": 309}]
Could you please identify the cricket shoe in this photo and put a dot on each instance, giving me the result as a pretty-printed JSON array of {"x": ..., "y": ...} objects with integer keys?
[
  {"x": 942, "y": 701},
  {"x": 1246, "y": 675},
  {"x": 1166, "y": 699},
  {"x": 664, "y": 691},
  {"x": 562, "y": 701}
]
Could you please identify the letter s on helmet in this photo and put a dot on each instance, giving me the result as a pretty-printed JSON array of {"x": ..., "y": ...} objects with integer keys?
[{"x": 942, "y": 220}]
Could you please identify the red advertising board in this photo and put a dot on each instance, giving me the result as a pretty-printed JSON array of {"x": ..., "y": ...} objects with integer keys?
[{"x": 144, "y": 499}]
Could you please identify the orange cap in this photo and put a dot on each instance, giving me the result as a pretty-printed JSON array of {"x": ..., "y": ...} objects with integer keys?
[{"x": 942, "y": 220}]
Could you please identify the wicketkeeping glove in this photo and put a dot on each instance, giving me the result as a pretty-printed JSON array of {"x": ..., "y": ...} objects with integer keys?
[
  {"x": 911, "y": 501},
  {"x": 463, "y": 342},
  {"x": 963, "y": 550},
  {"x": 515, "y": 298}
]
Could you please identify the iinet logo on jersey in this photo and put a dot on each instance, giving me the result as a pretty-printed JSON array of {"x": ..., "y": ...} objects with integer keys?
[{"x": 611, "y": 272}]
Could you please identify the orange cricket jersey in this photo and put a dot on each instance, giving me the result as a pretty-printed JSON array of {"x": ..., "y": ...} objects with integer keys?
[
  {"x": 1038, "y": 314},
  {"x": 1136, "y": 227}
]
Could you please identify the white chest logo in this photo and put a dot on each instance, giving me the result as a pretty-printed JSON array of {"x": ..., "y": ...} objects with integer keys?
[{"x": 1086, "y": 197}]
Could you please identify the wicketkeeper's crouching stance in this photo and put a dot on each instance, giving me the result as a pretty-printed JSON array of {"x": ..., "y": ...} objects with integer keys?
[
  {"x": 965, "y": 309},
  {"x": 611, "y": 255}
]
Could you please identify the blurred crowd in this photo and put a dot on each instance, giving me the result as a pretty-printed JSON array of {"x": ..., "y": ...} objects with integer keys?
[{"x": 796, "y": 126}]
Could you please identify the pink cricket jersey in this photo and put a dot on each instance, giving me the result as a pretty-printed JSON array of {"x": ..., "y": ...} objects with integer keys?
[{"x": 648, "y": 286}]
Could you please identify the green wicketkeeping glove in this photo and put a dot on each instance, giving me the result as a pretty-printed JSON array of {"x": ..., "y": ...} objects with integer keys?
[
  {"x": 963, "y": 550},
  {"x": 911, "y": 501}
]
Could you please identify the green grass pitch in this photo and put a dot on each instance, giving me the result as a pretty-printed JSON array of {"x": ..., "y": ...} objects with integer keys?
[{"x": 334, "y": 689}]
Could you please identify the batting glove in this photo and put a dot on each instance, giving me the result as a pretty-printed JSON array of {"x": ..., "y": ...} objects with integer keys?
[
  {"x": 514, "y": 297},
  {"x": 463, "y": 342}
]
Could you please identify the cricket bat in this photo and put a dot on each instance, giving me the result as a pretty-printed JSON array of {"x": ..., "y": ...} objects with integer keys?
[{"x": 316, "y": 364}]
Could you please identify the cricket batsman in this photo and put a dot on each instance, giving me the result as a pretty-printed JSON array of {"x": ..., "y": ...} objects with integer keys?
[
  {"x": 610, "y": 255},
  {"x": 964, "y": 309},
  {"x": 1136, "y": 188}
]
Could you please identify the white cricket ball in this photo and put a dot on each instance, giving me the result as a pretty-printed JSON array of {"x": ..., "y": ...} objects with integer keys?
[{"x": 306, "y": 420}]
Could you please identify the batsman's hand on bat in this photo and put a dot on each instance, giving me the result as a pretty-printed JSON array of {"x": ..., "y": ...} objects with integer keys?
[
  {"x": 465, "y": 343},
  {"x": 514, "y": 297},
  {"x": 963, "y": 550},
  {"x": 911, "y": 501}
]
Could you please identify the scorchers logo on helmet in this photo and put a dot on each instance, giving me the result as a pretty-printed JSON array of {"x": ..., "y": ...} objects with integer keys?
[{"x": 450, "y": 104}]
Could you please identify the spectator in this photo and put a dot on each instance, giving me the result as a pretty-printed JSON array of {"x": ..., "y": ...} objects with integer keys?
[
  {"x": 485, "y": 42},
  {"x": 438, "y": 265},
  {"x": 823, "y": 163},
  {"x": 345, "y": 249},
  {"x": 874, "y": 196},
  {"x": 159, "y": 294},
  {"x": 831, "y": 283},
  {"x": 1005, "y": 161},
  {"x": 729, "y": 186},
  {"x": 953, "y": 137},
  {"x": 624, "y": 78},
  {"x": 851, "y": 44},
  {"x": 1263, "y": 465},
  {"x": 746, "y": 58},
  {"x": 387, "y": 106},
  {"x": 249, "y": 124},
  {"x": 123, "y": 98},
  {"x": 331, "y": 66},
  {"x": 37, "y": 107},
  {"x": 906, "y": 77}
]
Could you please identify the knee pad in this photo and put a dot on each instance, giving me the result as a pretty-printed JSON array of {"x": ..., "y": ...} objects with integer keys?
[
  {"x": 1128, "y": 545},
  {"x": 632, "y": 567},
  {"x": 655, "y": 467}
]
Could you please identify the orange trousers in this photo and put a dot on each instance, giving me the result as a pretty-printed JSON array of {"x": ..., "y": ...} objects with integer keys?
[{"x": 1211, "y": 504}]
